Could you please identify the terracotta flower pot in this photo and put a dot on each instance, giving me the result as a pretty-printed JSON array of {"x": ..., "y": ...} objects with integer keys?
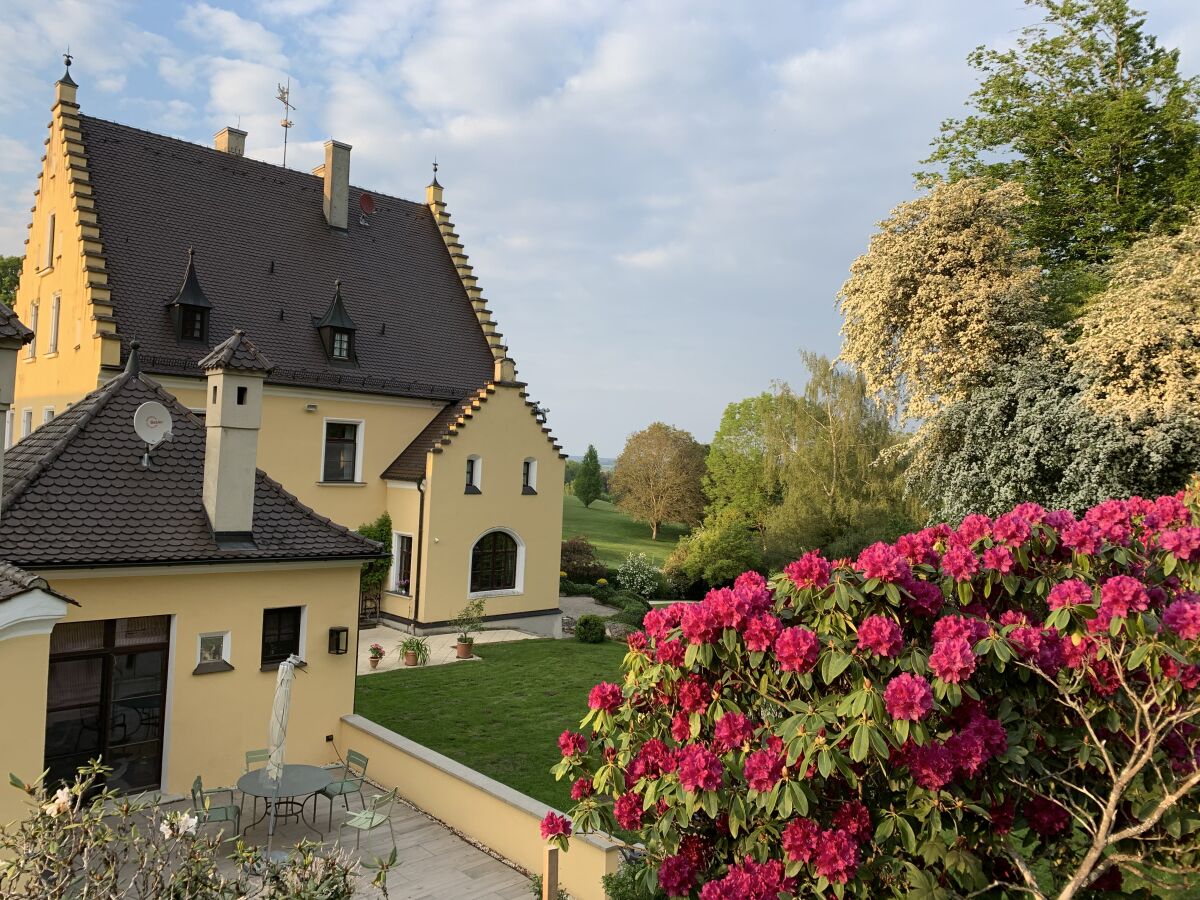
[
  {"x": 410, "y": 657},
  {"x": 374, "y": 662},
  {"x": 466, "y": 649}
]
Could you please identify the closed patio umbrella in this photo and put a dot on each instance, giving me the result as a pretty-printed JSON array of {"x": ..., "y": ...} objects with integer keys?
[{"x": 277, "y": 731}]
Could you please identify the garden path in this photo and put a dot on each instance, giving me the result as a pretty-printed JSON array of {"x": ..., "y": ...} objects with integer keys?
[{"x": 581, "y": 606}]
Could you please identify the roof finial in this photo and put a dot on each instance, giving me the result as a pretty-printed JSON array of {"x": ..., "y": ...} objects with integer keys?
[
  {"x": 434, "y": 183},
  {"x": 67, "y": 79},
  {"x": 133, "y": 365}
]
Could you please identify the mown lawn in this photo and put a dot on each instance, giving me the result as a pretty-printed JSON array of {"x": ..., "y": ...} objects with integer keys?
[
  {"x": 501, "y": 716},
  {"x": 614, "y": 534}
]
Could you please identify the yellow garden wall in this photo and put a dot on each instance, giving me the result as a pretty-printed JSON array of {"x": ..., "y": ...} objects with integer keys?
[
  {"x": 483, "y": 809},
  {"x": 23, "y": 672},
  {"x": 502, "y": 433},
  {"x": 213, "y": 719}
]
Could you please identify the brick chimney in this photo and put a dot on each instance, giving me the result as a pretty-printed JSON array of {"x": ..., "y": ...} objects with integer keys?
[
  {"x": 231, "y": 141},
  {"x": 233, "y": 416},
  {"x": 336, "y": 173}
]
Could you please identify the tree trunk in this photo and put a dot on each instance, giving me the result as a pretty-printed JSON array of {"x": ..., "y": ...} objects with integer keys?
[{"x": 654, "y": 531}]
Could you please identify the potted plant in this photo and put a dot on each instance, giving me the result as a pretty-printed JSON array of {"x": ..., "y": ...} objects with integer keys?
[
  {"x": 467, "y": 622},
  {"x": 376, "y": 651},
  {"x": 415, "y": 650}
]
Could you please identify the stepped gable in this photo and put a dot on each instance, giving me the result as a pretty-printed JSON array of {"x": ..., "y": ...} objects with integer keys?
[
  {"x": 77, "y": 496},
  {"x": 266, "y": 257}
]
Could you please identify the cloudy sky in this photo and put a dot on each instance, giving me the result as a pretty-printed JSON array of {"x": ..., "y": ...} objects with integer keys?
[{"x": 661, "y": 199}]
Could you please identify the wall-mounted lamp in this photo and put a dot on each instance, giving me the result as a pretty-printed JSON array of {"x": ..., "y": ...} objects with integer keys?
[
  {"x": 312, "y": 407},
  {"x": 339, "y": 639}
]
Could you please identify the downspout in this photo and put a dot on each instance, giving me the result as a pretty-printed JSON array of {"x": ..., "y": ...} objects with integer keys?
[{"x": 420, "y": 546}]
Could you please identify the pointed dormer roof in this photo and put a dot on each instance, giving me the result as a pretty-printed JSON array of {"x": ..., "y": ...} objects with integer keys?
[
  {"x": 191, "y": 294},
  {"x": 12, "y": 328},
  {"x": 336, "y": 315},
  {"x": 236, "y": 352}
]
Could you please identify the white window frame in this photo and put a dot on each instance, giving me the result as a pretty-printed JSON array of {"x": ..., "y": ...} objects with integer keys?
[
  {"x": 31, "y": 347},
  {"x": 48, "y": 248},
  {"x": 226, "y": 645},
  {"x": 55, "y": 310},
  {"x": 533, "y": 467},
  {"x": 47, "y": 414},
  {"x": 359, "y": 446},
  {"x": 10, "y": 419},
  {"x": 476, "y": 473},
  {"x": 394, "y": 573},
  {"x": 26, "y": 421},
  {"x": 518, "y": 587}
]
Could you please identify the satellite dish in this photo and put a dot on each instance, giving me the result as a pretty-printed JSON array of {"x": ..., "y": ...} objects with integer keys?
[
  {"x": 152, "y": 422},
  {"x": 366, "y": 203}
]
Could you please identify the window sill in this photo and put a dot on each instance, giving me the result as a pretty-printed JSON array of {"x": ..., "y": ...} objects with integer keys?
[
  {"x": 471, "y": 489},
  {"x": 274, "y": 666},
  {"x": 342, "y": 483},
  {"x": 31, "y": 359},
  {"x": 208, "y": 668},
  {"x": 511, "y": 592},
  {"x": 527, "y": 491},
  {"x": 399, "y": 594},
  {"x": 46, "y": 271},
  {"x": 52, "y": 354}
]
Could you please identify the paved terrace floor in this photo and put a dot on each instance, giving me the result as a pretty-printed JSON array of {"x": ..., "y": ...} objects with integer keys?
[
  {"x": 432, "y": 862},
  {"x": 442, "y": 647}
]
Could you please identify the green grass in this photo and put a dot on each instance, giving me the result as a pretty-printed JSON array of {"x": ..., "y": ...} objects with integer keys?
[
  {"x": 501, "y": 716},
  {"x": 614, "y": 534}
]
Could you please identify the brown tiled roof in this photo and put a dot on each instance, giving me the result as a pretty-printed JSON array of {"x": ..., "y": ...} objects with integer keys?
[
  {"x": 15, "y": 581},
  {"x": 236, "y": 352},
  {"x": 410, "y": 464},
  {"x": 267, "y": 259},
  {"x": 77, "y": 495},
  {"x": 11, "y": 328}
]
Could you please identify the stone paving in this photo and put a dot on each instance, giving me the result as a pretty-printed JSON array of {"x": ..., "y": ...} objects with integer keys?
[
  {"x": 442, "y": 647},
  {"x": 579, "y": 606}
]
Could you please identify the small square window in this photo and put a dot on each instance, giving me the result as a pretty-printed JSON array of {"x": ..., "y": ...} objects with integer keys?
[
  {"x": 212, "y": 647},
  {"x": 241, "y": 396}
]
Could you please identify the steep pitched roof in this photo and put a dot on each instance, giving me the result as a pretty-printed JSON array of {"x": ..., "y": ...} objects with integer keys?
[
  {"x": 77, "y": 495},
  {"x": 236, "y": 352},
  {"x": 12, "y": 328},
  {"x": 266, "y": 257},
  {"x": 15, "y": 581}
]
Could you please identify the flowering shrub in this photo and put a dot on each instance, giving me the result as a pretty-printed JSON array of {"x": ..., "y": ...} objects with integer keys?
[
  {"x": 1006, "y": 708},
  {"x": 637, "y": 575},
  {"x": 85, "y": 841}
]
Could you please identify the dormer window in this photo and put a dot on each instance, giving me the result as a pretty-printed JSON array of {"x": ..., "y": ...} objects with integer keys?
[
  {"x": 190, "y": 307},
  {"x": 336, "y": 330}
]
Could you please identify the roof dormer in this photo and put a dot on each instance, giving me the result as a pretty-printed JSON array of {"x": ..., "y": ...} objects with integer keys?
[
  {"x": 337, "y": 330},
  {"x": 190, "y": 308}
]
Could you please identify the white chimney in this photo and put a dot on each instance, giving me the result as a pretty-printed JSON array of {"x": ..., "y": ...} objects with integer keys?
[
  {"x": 233, "y": 415},
  {"x": 336, "y": 172},
  {"x": 231, "y": 141}
]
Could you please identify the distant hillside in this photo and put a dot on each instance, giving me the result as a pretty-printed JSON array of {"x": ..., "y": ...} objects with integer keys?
[{"x": 606, "y": 462}]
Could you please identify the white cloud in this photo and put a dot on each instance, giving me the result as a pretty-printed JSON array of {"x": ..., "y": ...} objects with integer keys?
[
  {"x": 651, "y": 258},
  {"x": 224, "y": 32}
]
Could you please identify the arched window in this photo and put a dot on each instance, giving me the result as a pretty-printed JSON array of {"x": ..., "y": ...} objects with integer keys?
[{"x": 494, "y": 563}]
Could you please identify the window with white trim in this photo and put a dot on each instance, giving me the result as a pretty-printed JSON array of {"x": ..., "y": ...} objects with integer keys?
[
  {"x": 342, "y": 452},
  {"x": 8, "y": 429},
  {"x": 47, "y": 414},
  {"x": 474, "y": 475},
  {"x": 529, "y": 476},
  {"x": 31, "y": 347},
  {"x": 48, "y": 247},
  {"x": 26, "y": 422},
  {"x": 494, "y": 563},
  {"x": 55, "y": 306},
  {"x": 402, "y": 546}
]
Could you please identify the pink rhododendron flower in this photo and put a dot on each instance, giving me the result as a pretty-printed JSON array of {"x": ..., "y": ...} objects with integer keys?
[
  {"x": 1183, "y": 543},
  {"x": 681, "y": 728},
  {"x": 1112, "y": 518},
  {"x": 970, "y": 629},
  {"x": 837, "y": 857},
  {"x": 750, "y": 881},
  {"x": 1011, "y": 529},
  {"x": 800, "y": 839},
  {"x": 1013, "y": 617},
  {"x": 1183, "y": 618},
  {"x": 724, "y": 607},
  {"x": 676, "y": 875},
  {"x": 882, "y": 561},
  {"x": 1168, "y": 512},
  {"x": 605, "y": 696},
  {"x": 881, "y": 636},
  {"x": 698, "y": 624},
  {"x": 926, "y": 598},
  {"x": 653, "y": 760},
  {"x": 1059, "y": 519},
  {"x": 809, "y": 571},
  {"x": 693, "y": 694},
  {"x": 967, "y": 752},
  {"x": 661, "y": 619},
  {"x": 1002, "y": 815},
  {"x": 627, "y": 810},
  {"x": 796, "y": 649},
  {"x": 732, "y": 731},
  {"x": 1121, "y": 595},
  {"x": 761, "y": 631},
  {"x": 1103, "y": 677},
  {"x": 571, "y": 743},
  {"x": 670, "y": 652},
  {"x": 854, "y": 819},
  {"x": 581, "y": 789},
  {"x": 1071, "y": 592},
  {"x": 918, "y": 548},
  {"x": 974, "y": 527},
  {"x": 751, "y": 594},
  {"x": 555, "y": 825},
  {"x": 1083, "y": 537},
  {"x": 998, "y": 559},
  {"x": 960, "y": 563},
  {"x": 1046, "y": 817},
  {"x": 952, "y": 660},
  {"x": 636, "y": 641},
  {"x": 931, "y": 765},
  {"x": 763, "y": 769},
  {"x": 1033, "y": 513},
  {"x": 1077, "y": 650},
  {"x": 909, "y": 697},
  {"x": 699, "y": 768}
]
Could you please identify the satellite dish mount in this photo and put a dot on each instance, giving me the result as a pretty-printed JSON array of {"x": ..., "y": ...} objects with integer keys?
[{"x": 152, "y": 422}]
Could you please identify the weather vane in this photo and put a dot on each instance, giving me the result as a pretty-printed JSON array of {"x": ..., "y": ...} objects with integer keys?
[
  {"x": 283, "y": 95},
  {"x": 67, "y": 57}
]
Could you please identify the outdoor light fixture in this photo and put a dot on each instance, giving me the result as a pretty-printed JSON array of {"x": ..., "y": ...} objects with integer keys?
[
  {"x": 311, "y": 407},
  {"x": 339, "y": 639}
]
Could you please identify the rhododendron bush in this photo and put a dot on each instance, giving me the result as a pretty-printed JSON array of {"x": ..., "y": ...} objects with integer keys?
[{"x": 1010, "y": 707}]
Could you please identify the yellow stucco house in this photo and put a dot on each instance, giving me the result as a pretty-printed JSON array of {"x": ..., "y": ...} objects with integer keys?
[
  {"x": 392, "y": 389},
  {"x": 147, "y": 597}
]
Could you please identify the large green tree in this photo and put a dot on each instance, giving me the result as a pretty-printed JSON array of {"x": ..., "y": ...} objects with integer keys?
[
  {"x": 587, "y": 484},
  {"x": 737, "y": 475},
  {"x": 10, "y": 270},
  {"x": 657, "y": 477},
  {"x": 1093, "y": 118}
]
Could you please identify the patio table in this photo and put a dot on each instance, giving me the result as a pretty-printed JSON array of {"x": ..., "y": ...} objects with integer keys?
[{"x": 296, "y": 786}]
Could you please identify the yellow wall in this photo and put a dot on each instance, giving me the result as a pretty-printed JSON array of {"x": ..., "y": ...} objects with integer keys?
[
  {"x": 23, "y": 671},
  {"x": 502, "y": 433},
  {"x": 213, "y": 719},
  {"x": 484, "y": 810},
  {"x": 404, "y": 506}
]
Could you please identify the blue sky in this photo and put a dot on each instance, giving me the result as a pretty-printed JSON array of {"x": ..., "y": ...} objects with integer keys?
[{"x": 660, "y": 199}]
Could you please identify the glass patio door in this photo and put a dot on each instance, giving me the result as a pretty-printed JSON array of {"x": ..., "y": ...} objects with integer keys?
[{"x": 107, "y": 698}]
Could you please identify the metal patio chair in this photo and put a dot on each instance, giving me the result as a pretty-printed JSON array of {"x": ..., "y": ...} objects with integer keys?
[
  {"x": 351, "y": 782},
  {"x": 372, "y": 817},
  {"x": 255, "y": 759},
  {"x": 208, "y": 812}
]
